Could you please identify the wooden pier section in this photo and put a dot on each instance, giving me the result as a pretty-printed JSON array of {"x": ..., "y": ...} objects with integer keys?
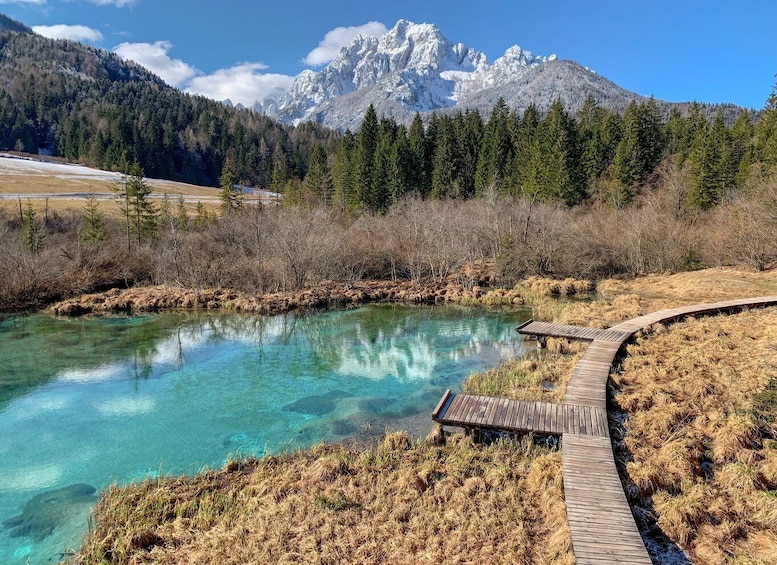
[{"x": 600, "y": 519}]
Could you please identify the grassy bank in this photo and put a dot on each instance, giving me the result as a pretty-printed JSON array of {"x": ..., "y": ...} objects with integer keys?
[
  {"x": 701, "y": 467},
  {"x": 396, "y": 502},
  {"x": 701, "y": 435}
]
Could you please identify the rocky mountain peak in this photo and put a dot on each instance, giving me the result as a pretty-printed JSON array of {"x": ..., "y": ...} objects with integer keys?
[{"x": 415, "y": 68}]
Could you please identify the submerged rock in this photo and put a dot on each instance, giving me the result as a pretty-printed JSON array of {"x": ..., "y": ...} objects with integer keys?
[
  {"x": 375, "y": 405},
  {"x": 47, "y": 510},
  {"x": 317, "y": 404}
]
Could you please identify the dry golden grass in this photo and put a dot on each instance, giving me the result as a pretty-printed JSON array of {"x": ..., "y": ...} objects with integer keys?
[
  {"x": 698, "y": 446},
  {"x": 393, "y": 503},
  {"x": 40, "y": 188},
  {"x": 540, "y": 375}
]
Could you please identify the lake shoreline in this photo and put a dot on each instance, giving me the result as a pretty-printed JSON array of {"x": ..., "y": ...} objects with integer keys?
[{"x": 326, "y": 295}]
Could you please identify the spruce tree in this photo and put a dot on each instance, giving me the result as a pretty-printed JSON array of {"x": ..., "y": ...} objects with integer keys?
[
  {"x": 495, "y": 149},
  {"x": 742, "y": 133},
  {"x": 641, "y": 146},
  {"x": 444, "y": 161},
  {"x": 33, "y": 233},
  {"x": 419, "y": 151},
  {"x": 181, "y": 215},
  {"x": 231, "y": 195},
  {"x": 522, "y": 174},
  {"x": 712, "y": 165},
  {"x": 366, "y": 145},
  {"x": 401, "y": 178},
  {"x": 378, "y": 198},
  {"x": 468, "y": 133},
  {"x": 765, "y": 137},
  {"x": 140, "y": 214},
  {"x": 94, "y": 231},
  {"x": 318, "y": 181},
  {"x": 344, "y": 173},
  {"x": 559, "y": 156}
]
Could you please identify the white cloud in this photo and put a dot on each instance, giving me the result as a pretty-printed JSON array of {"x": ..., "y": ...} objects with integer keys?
[
  {"x": 74, "y": 32},
  {"x": 117, "y": 3},
  {"x": 243, "y": 84},
  {"x": 336, "y": 39},
  {"x": 38, "y": 2},
  {"x": 154, "y": 57}
]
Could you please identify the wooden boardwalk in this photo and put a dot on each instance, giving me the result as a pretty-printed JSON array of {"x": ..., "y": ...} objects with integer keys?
[
  {"x": 546, "y": 329},
  {"x": 601, "y": 524},
  {"x": 517, "y": 416}
]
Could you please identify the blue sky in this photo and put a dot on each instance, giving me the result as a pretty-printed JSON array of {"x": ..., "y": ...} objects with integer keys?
[{"x": 710, "y": 51}]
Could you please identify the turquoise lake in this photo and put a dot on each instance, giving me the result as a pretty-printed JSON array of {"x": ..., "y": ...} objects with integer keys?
[{"x": 85, "y": 402}]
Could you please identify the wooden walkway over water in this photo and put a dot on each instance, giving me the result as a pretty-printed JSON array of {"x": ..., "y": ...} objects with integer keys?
[{"x": 600, "y": 519}]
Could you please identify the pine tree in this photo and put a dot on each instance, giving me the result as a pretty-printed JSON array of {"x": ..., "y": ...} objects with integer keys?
[
  {"x": 94, "y": 231},
  {"x": 231, "y": 195}
]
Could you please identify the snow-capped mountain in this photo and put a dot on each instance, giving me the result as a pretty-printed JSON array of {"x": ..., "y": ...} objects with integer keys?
[{"x": 414, "y": 68}]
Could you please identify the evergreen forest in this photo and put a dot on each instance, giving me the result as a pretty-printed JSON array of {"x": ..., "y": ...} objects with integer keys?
[
  {"x": 66, "y": 99},
  {"x": 596, "y": 155}
]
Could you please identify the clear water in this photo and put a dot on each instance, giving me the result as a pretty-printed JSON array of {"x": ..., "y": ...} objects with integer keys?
[{"x": 89, "y": 401}]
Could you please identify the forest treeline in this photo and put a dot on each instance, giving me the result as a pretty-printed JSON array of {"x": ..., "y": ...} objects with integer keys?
[
  {"x": 88, "y": 105},
  {"x": 597, "y": 155}
]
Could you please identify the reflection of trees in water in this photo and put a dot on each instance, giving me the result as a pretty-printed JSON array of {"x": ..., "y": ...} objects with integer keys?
[
  {"x": 401, "y": 341},
  {"x": 377, "y": 340},
  {"x": 404, "y": 342}
]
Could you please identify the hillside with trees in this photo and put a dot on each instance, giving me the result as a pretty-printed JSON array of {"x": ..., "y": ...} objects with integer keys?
[{"x": 84, "y": 104}]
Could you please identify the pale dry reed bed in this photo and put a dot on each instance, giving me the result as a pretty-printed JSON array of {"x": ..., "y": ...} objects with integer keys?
[
  {"x": 701, "y": 402},
  {"x": 394, "y": 503}
]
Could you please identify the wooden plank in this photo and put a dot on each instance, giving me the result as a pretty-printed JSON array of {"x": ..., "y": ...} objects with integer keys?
[
  {"x": 441, "y": 404},
  {"x": 493, "y": 405},
  {"x": 452, "y": 412},
  {"x": 512, "y": 406},
  {"x": 479, "y": 410}
]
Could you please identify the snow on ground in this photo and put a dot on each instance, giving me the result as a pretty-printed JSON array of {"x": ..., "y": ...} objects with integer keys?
[{"x": 13, "y": 165}]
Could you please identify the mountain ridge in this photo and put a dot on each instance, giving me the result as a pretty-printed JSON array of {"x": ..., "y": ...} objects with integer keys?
[{"x": 415, "y": 68}]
